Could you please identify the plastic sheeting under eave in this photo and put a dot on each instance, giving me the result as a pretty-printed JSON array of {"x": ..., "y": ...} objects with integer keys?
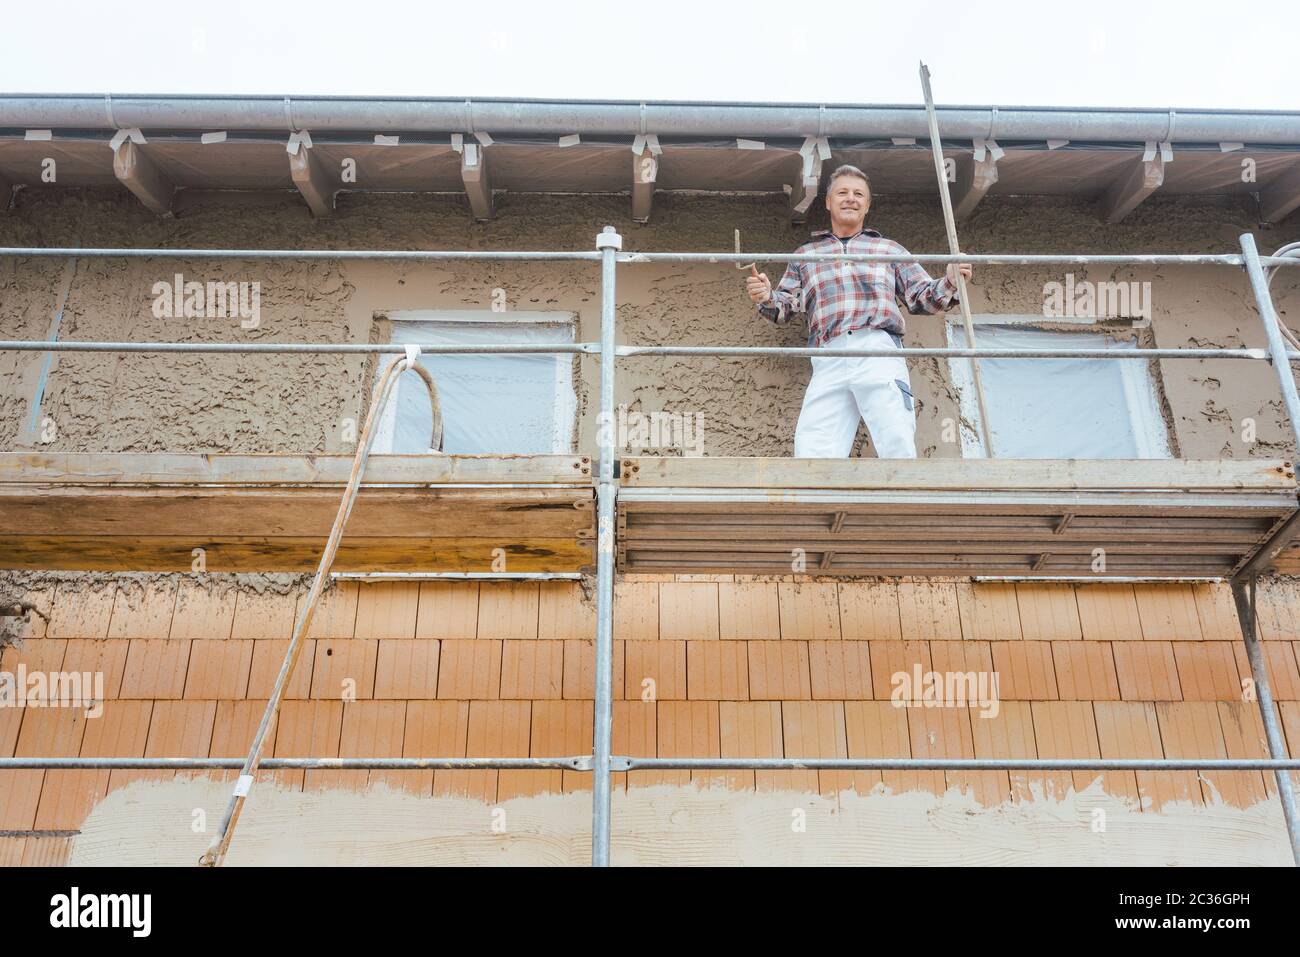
[
  {"x": 491, "y": 404},
  {"x": 1062, "y": 408}
]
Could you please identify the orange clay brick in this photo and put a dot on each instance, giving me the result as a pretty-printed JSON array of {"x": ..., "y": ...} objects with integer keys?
[
  {"x": 564, "y": 612},
  {"x": 779, "y": 670},
  {"x": 636, "y": 611},
  {"x": 45, "y": 732},
  {"x": 508, "y": 610},
  {"x": 34, "y": 625},
  {"x": 233, "y": 732},
  {"x": 1243, "y": 737},
  {"x": 155, "y": 669},
  {"x": 121, "y": 730},
  {"x": 1190, "y": 729},
  {"x": 1147, "y": 671},
  {"x": 1168, "y": 612},
  {"x": 961, "y": 656},
  {"x": 1277, "y": 609},
  {"x": 37, "y": 654},
  {"x": 1025, "y": 670},
  {"x": 371, "y": 729},
  {"x": 989, "y": 611},
  {"x": 532, "y": 669},
  {"x": 336, "y": 612},
  {"x": 435, "y": 729},
  {"x": 1064, "y": 729},
  {"x": 869, "y": 611},
  {"x": 1289, "y": 715},
  {"x": 79, "y": 611},
  {"x": 815, "y": 729},
  {"x": 750, "y": 729},
  {"x": 840, "y": 670},
  {"x": 387, "y": 610},
  {"x": 1108, "y": 612},
  {"x": 1216, "y": 611},
  {"x": 11, "y": 850},
  {"x": 635, "y": 733},
  {"x": 306, "y": 729},
  {"x": 1048, "y": 612},
  {"x": 688, "y": 611},
  {"x": 892, "y": 658},
  {"x": 268, "y": 657},
  {"x": 1085, "y": 671},
  {"x": 469, "y": 669},
  {"x": 1280, "y": 663},
  {"x": 1007, "y": 732},
  {"x": 203, "y": 610},
  {"x": 47, "y": 852},
  {"x": 177, "y": 729},
  {"x": 717, "y": 670},
  {"x": 748, "y": 611},
  {"x": 928, "y": 610},
  {"x": 264, "y": 617},
  {"x": 809, "y": 611},
  {"x": 447, "y": 610},
  {"x": 656, "y": 669},
  {"x": 689, "y": 729},
  {"x": 344, "y": 669},
  {"x": 497, "y": 729},
  {"x": 1128, "y": 730},
  {"x": 218, "y": 668},
  {"x": 143, "y": 611},
  {"x": 1207, "y": 671},
  {"x": 876, "y": 729},
  {"x": 406, "y": 669},
  {"x": 580, "y": 670},
  {"x": 560, "y": 729},
  {"x": 946, "y": 733},
  {"x": 104, "y": 657}
]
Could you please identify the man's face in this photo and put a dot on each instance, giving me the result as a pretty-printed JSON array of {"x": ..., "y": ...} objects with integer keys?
[{"x": 848, "y": 200}]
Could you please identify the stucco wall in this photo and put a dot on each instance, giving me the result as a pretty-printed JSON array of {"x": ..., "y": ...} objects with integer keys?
[{"x": 298, "y": 404}]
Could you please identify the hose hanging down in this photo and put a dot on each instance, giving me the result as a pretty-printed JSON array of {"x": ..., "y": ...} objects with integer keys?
[{"x": 215, "y": 855}]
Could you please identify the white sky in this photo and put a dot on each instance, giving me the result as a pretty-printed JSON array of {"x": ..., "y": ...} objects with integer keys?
[{"x": 1226, "y": 55}]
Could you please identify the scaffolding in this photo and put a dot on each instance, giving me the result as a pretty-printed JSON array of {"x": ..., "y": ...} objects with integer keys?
[{"x": 601, "y": 762}]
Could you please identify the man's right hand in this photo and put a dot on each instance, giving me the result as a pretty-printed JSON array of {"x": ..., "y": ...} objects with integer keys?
[{"x": 759, "y": 287}]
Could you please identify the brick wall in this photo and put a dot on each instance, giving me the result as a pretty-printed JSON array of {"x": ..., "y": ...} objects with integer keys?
[{"x": 703, "y": 666}]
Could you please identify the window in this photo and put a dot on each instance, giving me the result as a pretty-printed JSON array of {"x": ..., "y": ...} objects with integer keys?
[
  {"x": 491, "y": 404},
  {"x": 1058, "y": 408}
]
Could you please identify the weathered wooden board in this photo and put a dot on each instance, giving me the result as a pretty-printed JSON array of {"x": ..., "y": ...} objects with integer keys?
[
  {"x": 92, "y": 468},
  {"x": 273, "y": 513}
]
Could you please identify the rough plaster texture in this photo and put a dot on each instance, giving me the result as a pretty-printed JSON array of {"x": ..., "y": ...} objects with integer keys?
[
  {"x": 298, "y": 404},
  {"x": 150, "y": 823}
]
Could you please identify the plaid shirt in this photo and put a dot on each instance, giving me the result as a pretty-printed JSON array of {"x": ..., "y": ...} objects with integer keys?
[{"x": 842, "y": 296}]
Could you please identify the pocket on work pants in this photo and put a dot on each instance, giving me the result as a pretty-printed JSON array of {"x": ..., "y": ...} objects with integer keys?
[{"x": 906, "y": 390}]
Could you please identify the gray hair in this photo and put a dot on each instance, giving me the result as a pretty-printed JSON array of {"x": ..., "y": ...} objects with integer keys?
[{"x": 847, "y": 170}]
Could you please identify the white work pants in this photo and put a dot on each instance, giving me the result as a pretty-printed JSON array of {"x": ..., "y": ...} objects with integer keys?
[{"x": 845, "y": 389}]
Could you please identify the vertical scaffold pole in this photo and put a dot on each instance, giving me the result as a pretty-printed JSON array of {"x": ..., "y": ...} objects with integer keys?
[
  {"x": 608, "y": 242},
  {"x": 1244, "y": 599}
]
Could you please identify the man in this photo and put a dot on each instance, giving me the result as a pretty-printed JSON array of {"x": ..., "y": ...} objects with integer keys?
[{"x": 852, "y": 305}]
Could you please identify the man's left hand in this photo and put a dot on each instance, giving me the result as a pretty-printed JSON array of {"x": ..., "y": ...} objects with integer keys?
[{"x": 955, "y": 268}]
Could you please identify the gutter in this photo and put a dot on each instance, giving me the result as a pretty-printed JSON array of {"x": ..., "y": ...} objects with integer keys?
[{"x": 633, "y": 118}]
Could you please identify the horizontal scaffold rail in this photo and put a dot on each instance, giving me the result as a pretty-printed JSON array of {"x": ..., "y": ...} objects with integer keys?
[
  {"x": 625, "y": 763},
  {"x": 308, "y": 348}
]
